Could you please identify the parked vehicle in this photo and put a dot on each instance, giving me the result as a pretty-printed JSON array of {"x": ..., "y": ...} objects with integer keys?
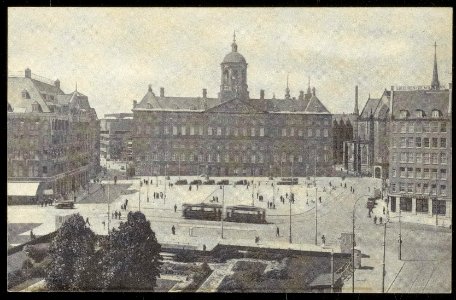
[
  {"x": 288, "y": 181},
  {"x": 242, "y": 182},
  {"x": 65, "y": 204},
  {"x": 209, "y": 182},
  {"x": 182, "y": 182},
  {"x": 196, "y": 181},
  {"x": 223, "y": 182}
]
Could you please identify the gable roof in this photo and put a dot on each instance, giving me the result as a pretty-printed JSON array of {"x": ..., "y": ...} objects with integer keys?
[
  {"x": 315, "y": 106},
  {"x": 15, "y": 87},
  {"x": 426, "y": 100},
  {"x": 369, "y": 107}
]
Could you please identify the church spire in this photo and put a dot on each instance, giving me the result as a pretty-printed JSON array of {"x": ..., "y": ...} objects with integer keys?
[
  {"x": 435, "y": 75},
  {"x": 287, "y": 90},
  {"x": 234, "y": 45}
]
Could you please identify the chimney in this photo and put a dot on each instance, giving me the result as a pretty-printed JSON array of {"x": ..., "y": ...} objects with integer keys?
[
  {"x": 135, "y": 103},
  {"x": 162, "y": 92},
  {"x": 204, "y": 93},
  {"x": 301, "y": 95},
  {"x": 261, "y": 94},
  {"x": 57, "y": 83},
  {"x": 28, "y": 73},
  {"x": 313, "y": 91}
]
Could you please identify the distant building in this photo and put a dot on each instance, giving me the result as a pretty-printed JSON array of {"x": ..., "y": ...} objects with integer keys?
[
  {"x": 421, "y": 151},
  {"x": 115, "y": 136},
  {"x": 367, "y": 153},
  {"x": 232, "y": 135},
  {"x": 52, "y": 139}
]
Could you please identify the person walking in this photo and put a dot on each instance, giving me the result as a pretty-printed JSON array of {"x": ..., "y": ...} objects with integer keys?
[
  {"x": 323, "y": 240},
  {"x": 381, "y": 220},
  {"x": 175, "y": 207},
  {"x": 87, "y": 221},
  {"x": 319, "y": 199},
  {"x": 375, "y": 220},
  {"x": 173, "y": 230},
  {"x": 383, "y": 210},
  {"x": 119, "y": 214},
  {"x": 277, "y": 231},
  {"x": 104, "y": 224}
]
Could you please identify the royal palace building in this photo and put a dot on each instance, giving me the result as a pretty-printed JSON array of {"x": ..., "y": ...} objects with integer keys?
[
  {"x": 233, "y": 134},
  {"x": 52, "y": 140},
  {"x": 421, "y": 151}
]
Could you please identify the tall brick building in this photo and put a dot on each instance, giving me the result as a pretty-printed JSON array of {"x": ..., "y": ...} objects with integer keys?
[
  {"x": 52, "y": 139},
  {"x": 421, "y": 151},
  {"x": 232, "y": 135}
]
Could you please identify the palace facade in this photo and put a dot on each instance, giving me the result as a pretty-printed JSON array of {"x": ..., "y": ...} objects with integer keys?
[{"x": 232, "y": 135}]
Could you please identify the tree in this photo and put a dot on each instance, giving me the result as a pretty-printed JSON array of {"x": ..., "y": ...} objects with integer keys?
[
  {"x": 71, "y": 252},
  {"x": 132, "y": 261}
]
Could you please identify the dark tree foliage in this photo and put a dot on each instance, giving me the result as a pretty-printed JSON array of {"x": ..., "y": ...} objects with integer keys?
[
  {"x": 132, "y": 261},
  {"x": 70, "y": 254}
]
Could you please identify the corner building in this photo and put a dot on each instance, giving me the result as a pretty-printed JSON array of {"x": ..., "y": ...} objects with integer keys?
[{"x": 232, "y": 135}]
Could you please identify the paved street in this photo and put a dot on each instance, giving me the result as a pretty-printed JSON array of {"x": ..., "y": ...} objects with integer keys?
[{"x": 425, "y": 248}]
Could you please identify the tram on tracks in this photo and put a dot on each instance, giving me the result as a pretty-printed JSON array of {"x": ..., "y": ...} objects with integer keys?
[
  {"x": 202, "y": 211},
  {"x": 245, "y": 214}
]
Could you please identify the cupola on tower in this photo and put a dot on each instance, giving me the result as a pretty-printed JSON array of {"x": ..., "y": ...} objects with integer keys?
[{"x": 234, "y": 75}]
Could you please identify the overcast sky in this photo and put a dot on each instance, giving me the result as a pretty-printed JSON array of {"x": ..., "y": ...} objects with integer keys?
[{"x": 114, "y": 53}]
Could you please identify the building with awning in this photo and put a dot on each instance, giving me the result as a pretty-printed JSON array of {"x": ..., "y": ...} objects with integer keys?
[{"x": 24, "y": 192}]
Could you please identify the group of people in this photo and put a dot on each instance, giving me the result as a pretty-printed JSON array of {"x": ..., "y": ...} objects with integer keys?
[
  {"x": 214, "y": 199},
  {"x": 116, "y": 215},
  {"x": 158, "y": 195},
  {"x": 46, "y": 202},
  {"x": 124, "y": 206}
]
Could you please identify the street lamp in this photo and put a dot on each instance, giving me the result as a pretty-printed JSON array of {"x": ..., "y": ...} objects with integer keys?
[
  {"x": 223, "y": 206},
  {"x": 353, "y": 242}
]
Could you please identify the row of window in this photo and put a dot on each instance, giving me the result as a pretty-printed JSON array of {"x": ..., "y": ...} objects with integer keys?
[
  {"x": 422, "y": 205},
  {"x": 418, "y": 142},
  {"x": 411, "y": 127},
  {"x": 426, "y": 173},
  {"x": 426, "y": 158},
  {"x": 228, "y": 131},
  {"x": 227, "y": 157},
  {"x": 419, "y": 188},
  {"x": 247, "y": 122},
  {"x": 404, "y": 114}
]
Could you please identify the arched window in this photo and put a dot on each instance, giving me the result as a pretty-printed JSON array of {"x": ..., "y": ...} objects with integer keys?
[
  {"x": 436, "y": 113},
  {"x": 419, "y": 113},
  {"x": 403, "y": 114}
]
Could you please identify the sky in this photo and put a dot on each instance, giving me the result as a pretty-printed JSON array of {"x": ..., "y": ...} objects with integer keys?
[{"x": 113, "y": 54}]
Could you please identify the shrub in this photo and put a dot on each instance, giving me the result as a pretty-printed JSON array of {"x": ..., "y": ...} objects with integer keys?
[{"x": 36, "y": 252}]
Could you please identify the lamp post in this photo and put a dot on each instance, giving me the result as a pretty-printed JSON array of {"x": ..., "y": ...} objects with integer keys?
[
  {"x": 384, "y": 252},
  {"x": 223, "y": 206},
  {"x": 400, "y": 233},
  {"x": 353, "y": 242}
]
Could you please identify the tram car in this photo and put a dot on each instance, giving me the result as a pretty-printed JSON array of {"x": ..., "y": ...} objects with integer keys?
[
  {"x": 245, "y": 214},
  {"x": 202, "y": 211}
]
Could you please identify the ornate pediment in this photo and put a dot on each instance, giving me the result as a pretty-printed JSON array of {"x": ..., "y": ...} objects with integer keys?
[{"x": 235, "y": 106}]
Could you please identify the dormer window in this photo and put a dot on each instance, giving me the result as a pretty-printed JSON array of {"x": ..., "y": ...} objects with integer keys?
[
  {"x": 403, "y": 114},
  {"x": 25, "y": 94},
  {"x": 36, "y": 107},
  {"x": 149, "y": 106},
  {"x": 419, "y": 114},
  {"x": 436, "y": 113}
]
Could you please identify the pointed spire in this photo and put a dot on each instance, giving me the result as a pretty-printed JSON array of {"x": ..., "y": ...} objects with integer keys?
[
  {"x": 435, "y": 75},
  {"x": 356, "y": 110},
  {"x": 287, "y": 90},
  {"x": 234, "y": 45}
]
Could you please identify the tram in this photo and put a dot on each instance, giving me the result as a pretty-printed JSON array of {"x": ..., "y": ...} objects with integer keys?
[
  {"x": 202, "y": 211},
  {"x": 245, "y": 214}
]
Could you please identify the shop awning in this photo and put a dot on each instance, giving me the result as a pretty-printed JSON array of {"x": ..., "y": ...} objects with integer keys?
[
  {"x": 48, "y": 192},
  {"x": 25, "y": 189}
]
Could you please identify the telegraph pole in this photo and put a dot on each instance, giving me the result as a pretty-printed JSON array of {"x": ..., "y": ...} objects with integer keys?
[
  {"x": 223, "y": 206},
  {"x": 316, "y": 201},
  {"x": 109, "y": 211},
  {"x": 384, "y": 250},
  {"x": 400, "y": 235},
  {"x": 332, "y": 270}
]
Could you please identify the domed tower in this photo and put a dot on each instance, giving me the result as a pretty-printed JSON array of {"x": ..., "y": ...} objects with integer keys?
[{"x": 234, "y": 75}]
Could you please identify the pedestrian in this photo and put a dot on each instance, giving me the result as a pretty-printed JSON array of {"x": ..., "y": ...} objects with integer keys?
[
  {"x": 175, "y": 207},
  {"x": 286, "y": 195},
  {"x": 190, "y": 187},
  {"x": 119, "y": 214},
  {"x": 204, "y": 247},
  {"x": 277, "y": 231},
  {"x": 273, "y": 206},
  {"x": 319, "y": 199},
  {"x": 104, "y": 224},
  {"x": 381, "y": 220},
  {"x": 375, "y": 220},
  {"x": 161, "y": 195},
  {"x": 126, "y": 202},
  {"x": 345, "y": 185},
  {"x": 323, "y": 240},
  {"x": 173, "y": 230},
  {"x": 257, "y": 195},
  {"x": 353, "y": 190},
  {"x": 383, "y": 210},
  {"x": 87, "y": 221}
]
